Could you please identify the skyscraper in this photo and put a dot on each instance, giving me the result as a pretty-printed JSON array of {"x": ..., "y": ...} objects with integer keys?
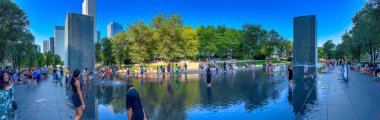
[
  {"x": 59, "y": 35},
  {"x": 98, "y": 37},
  {"x": 89, "y": 8},
  {"x": 52, "y": 45},
  {"x": 46, "y": 46},
  {"x": 38, "y": 48},
  {"x": 113, "y": 28}
]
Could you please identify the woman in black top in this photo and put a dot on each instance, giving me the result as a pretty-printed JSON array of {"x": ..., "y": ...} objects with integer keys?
[
  {"x": 76, "y": 96},
  {"x": 290, "y": 73},
  {"x": 208, "y": 76}
]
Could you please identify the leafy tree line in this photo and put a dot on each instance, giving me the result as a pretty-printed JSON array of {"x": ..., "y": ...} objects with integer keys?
[
  {"x": 17, "y": 45},
  {"x": 362, "y": 42},
  {"x": 167, "y": 39}
]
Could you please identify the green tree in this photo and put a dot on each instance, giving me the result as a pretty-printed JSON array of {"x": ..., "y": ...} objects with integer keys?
[
  {"x": 49, "y": 58},
  {"x": 109, "y": 59},
  {"x": 207, "y": 40},
  {"x": 321, "y": 54},
  {"x": 41, "y": 60},
  {"x": 98, "y": 53},
  {"x": 119, "y": 49},
  {"x": 281, "y": 47},
  {"x": 288, "y": 49},
  {"x": 267, "y": 46},
  {"x": 140, "y": 36},
  {"x": 168, "y": 36},
  {"x": 232, "y": 41},
  {"x": 14, "y": 32},
  {"x": 366, "y": 23},
  {"x": 354, "y": 46},
  {"x": 328, "y": 49},
  {"x": 190, "y": 44},
  {"x": 252, "y": 35},
  {"x": 340, "y": 52}
]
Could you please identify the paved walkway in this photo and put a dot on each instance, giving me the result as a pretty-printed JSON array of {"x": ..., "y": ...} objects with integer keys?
[
  {"x": 45, "y": 101},
  {"x": 357, "y": 98}
]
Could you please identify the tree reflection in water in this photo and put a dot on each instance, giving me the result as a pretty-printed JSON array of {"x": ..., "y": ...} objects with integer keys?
[{"x": 253, "y": 89}]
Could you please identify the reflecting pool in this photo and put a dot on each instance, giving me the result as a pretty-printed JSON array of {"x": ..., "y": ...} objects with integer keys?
[{"x": 243, "y": 94}]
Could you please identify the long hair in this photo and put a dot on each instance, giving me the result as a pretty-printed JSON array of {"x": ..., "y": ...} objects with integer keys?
[
  {"x": 75, "y": 75},
  {"x": 3, "y": 83}
]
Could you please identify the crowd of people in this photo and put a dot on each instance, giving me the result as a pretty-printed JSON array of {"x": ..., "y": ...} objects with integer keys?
[{"x": 369, "y": 68}]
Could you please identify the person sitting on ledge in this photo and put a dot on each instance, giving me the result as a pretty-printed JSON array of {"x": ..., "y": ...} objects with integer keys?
[{"x": 377, "y": 70}]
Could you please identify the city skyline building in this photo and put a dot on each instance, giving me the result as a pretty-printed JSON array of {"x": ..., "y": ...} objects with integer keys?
[
  {"x": 52, "y": 45},
  {"x": 89, "y": 8},
  {"x": 113, "y": 28},
  {"x": 98, "y": 37},
  {"x": 46, "y": 46},
  {"x": 59, "y": 35}
]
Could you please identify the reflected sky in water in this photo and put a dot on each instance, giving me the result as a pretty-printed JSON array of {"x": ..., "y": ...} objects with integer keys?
[{"x": 246, "y": 94}]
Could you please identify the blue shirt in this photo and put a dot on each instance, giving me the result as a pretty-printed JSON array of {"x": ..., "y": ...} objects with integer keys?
[
  {"x": 38, "y": 72},
  {"x": 43, "y": 71}
]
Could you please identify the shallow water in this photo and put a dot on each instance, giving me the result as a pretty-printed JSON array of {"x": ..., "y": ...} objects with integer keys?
[{"x": 245, "y": 94}]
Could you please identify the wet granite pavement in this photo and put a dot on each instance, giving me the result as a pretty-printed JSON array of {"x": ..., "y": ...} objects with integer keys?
[
  {"x": 47, "y": 100},
  {"x": 338, "y": 99},
  {"x": 330, "y": 98}
]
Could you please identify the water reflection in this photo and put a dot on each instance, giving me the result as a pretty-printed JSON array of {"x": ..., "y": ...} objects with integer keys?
[
  {"x": 304, "y": 90},
  {"x": 248, "y": 93}
]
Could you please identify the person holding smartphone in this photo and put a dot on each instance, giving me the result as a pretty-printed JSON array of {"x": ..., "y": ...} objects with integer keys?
[{"x": 76, "y": 96}]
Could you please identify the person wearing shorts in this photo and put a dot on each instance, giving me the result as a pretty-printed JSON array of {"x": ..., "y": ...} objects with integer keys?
[{"x": 290, "y": 73}]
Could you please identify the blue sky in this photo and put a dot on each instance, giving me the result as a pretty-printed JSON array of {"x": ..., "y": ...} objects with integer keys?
[{"x": 333, "y": 16}]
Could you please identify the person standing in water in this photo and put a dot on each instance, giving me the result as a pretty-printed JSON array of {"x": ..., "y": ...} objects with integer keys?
[
  {"x": 290, "y": 74},
  {"x": 85, "y": 75},
  {"x": 185, "y": 67},
  {"x": 208, "y": 76},
  {"x": 76, "y": 96},
  {"x": 224, "y": 67},
  {"x": 90, "y": 77},
  {"x": 176, "y": 69},
  {"x": 168, "y": 68},
  {"x": 134, "y": 107}
]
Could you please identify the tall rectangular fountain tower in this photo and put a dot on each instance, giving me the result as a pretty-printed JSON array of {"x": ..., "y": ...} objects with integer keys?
[
  {"x": 79, "y": 41},
  {"x": 305, "y": 49}
]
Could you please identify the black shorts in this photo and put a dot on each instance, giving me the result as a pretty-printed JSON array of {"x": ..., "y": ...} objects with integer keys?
[
  {"x": 208, "y": 80},
  {"x": 29, "y": 76},
  {"x": 75, "y": 100},
  {"x": 290, "y": 78}
]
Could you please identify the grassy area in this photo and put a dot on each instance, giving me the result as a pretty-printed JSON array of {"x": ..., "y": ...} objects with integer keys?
[
  {"x": 261, "y": 62},
  {"x": 150, "y": 66}
]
